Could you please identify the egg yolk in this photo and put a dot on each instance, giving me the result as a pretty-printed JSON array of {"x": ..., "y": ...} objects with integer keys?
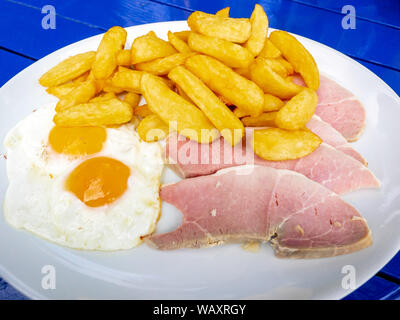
[
  {"x": 98, "y": 181},
  {"x": 77, "y": 141}
]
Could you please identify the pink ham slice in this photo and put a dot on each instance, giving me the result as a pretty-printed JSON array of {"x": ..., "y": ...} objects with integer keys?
[
  {"x": 326, "y": 165},
  {"x": 300, "y": 217},
  {"x": 339, "y": 107},
  {"x": 331, "y": 136}
]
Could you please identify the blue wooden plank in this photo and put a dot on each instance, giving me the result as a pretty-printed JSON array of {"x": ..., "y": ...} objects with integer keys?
[
  {"x": 376, "y": 289},
  {"x": 7, "y": 292},
  {"x": 11, "y": 64},
  {"x": 105, "y": 14},
  {"x": 369, "y": 41},
  {"x": 385, "y": 12},
  {"x": 392, "y": 269},
  {"x": 22, "y": 31}
]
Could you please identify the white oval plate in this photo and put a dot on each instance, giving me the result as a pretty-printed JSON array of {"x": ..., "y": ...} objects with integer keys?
[{"x": 225, "y": 272}]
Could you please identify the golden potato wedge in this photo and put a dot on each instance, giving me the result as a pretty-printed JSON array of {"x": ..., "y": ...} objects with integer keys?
[
  {"x": 183, "y": 35},
  {"x": 240, "y": 91},
  {"x": 150, "y": 47},
  {"x": 152, "y": 128},
  {"x": 132, "y": 98},
  {"x": 109, "y": 112},
  {"x": 176, "y": 111},
  {"x": 269, "y": 50},
  {"x": 178, "y": 43},
  {"x": 259, "y": 30},
  {"x": 164, "y": 65},
  {"x": 126, "y": 79},
  {"x": 271, "y": 103},
  {"x": 298, "y": 110},
  {"x": 271, "y": 82},
  {"x": 277, "y": 66},
  {"x": 81, "y": 94},
  {"x": 62, "y": 90},
  {"x": 106, "y": 57},
  {"x": 218, "y": 113},
  {"x": 110, "y": 89},
  {"x": 298, "y": 56},
  {"x": 230, "y": 29},
  {"x": 68, "y": 69},
  {"x": 224, "y": 100},
  {"x": 82, "y": 77},
  {"x": 223, "y": 12},
  {"x": 244, "y": 72},
  {"x": 142, "y": 111},
  {"x": 103, "y": 97},
  {"x": 124, "y": 58},
  {"x": 289, "y": 68},
  {"x": 183, "y": 94},
  {"x": 232, "y": 54},
  {"x": 277, "y": 144},
  {"x": 266, "y": 119}
]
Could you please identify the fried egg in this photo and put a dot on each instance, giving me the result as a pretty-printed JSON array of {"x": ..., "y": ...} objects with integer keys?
[{"x": 88, "y": 188}]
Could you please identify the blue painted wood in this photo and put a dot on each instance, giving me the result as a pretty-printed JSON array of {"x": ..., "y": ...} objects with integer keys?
[
  {"x": 369, "y": 41},
  {"x": 22, "y": 31},
  {"x": 105, "y": 14},
  {"x": 376, "y": 289},
  {"x": 392, "y": 269},
  {"x": 380, "y": 11},
  {"x": 7, "y": 292},
  {"x": 11, "y": 64}
]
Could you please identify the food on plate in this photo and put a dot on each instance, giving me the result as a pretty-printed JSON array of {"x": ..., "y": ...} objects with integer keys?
[
  {"x": 132, "y": 99},
  {"x": 98, "y": 113},
  {"x": 176, "y": 111},
  {"x": 124, "y": 58},
  {"x": 270, "y": 81},
  {"x": 126, "y": 79},
  {"x": 103, "y": 97},
  {"x": 216, "y": 111},
  {"x": 328, "y": 166},
  {"x": 277, "y": 66},
  {"x": 105, "y": 62},
  {"x": 68, "y": 69},
  {"x": 183, "y": 35},
  {"x": 297, "y": 111},
  {"x": 62, "y": 90},
  {"x": 276, "y": 144},
  {"x": 269, "y": 50},
  {"x": 152, "y": 128},
  {"x": 162, "y": 66},
  {"x": 289, "y": 68},
  {"x": 69, "y": 185},
  {"x": 242, "y": 92},
  {"x": 266, "y": 119},
  {"x": 230, "y": 29},
  {"x": 231, "y": 54},
  {"x": 331, "y": 136},
  {"x": 327, "y": 225},
  {"x": 259, "y": 30},
  {"x": 142, "y": 111},
  {"x": 298, "y": 56},
  {"x": 179, "y": 44},
  {"x": 223, "y": 12},
  {"x": 150, "y": 47},
  {"x": 82, "y": 93}
]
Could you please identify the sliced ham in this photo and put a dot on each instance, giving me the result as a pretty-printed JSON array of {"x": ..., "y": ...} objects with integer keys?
[
  {"x": 339, "y": 107},
  {"x": 300, "y": 217},
  {"x": 331, "y": 136},
  {"x": 326, "y": 165}
]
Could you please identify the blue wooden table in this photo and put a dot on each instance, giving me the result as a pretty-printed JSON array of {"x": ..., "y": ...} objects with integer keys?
[{"x": 375, "y": 43}]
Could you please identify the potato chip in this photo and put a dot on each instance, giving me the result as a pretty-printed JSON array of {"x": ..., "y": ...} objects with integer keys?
[
  {"x": 277, "y": 66},
  {"x": 164, "y": 65},
  {"x": 298, "y": 110},
  {"x": 277, "y": 144},
  {"x": 266, "y": 119},
  {"x": 298, "y": 56},
  {"x": 259, "y": 30},
  {"x": 269, "y": 50},
  {"x": 271, "y": 103},
  {"x": 289, "y": 68},
  {"x": 176, "y": 111},
  {"x": 106, "y": 57},
  {"x": 100, "y": 113},
  {"x": 152, "y": 128},
  {"x": 218, "y": 113},
  {"x": 240, "y": 91},
  {"x": 230, "y": 29},
  {"x": 132, "y": 98},
  {"x": 223, "y": 12},
  {"x": 178, "y": 43},
  {"x": 126, "y": 79},
  {"x": 150, "y": 47},
  {"x": 142, "y": 111},
  {"x": 68, "y": 69},
  {"x": 183, "y": 35},
  {"x": 124, "y": 58},
  {"x": 82, "y": 77},
  {"x": 103, "y": 97},
  {"x": 62, "y": 90},
  {"x": 232, "y": 54},
  {"x": 81, "y": 94},
  {"x": 271, "y": 82}
]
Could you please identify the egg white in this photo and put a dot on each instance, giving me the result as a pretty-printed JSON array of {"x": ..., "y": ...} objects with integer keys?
[{"x": 37, "y": 201}]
